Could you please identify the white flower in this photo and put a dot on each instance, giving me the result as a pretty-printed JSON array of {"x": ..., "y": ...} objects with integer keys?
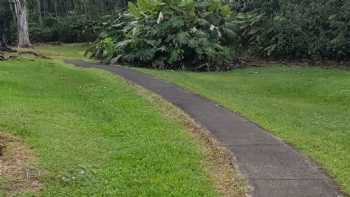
[
  {"x": 212, "y": 27},
  {"x": 219, "y": 34},
  {"x": 160, "y": 18},
  {"x": 194, "y": 30}
]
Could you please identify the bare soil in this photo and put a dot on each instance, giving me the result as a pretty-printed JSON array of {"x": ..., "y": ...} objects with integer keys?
[
  {"x": 18, "y": 170},
  {"x": 21, "y": 53}
]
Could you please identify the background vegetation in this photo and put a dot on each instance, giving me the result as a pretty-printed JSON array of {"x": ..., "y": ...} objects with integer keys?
[
  {"x": 297, "y": 28},
  {"x": 193, "y": 34},
  {"x": 217, "y": 33},
  {"x": 69, "y": 20}
]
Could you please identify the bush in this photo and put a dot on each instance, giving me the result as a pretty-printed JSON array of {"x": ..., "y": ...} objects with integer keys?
[
  {"x": 171, "y": 34},
  {"x": 65, "y": 29},
  {"x": 297, "y": 29},
  {"x": 208, "y": 35}
]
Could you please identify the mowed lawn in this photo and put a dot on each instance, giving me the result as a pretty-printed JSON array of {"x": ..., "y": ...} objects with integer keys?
[
  {"x": 307, "y": 107},
  {"x": 95, "y": 136},
  {"x": 62, "y": 51}
]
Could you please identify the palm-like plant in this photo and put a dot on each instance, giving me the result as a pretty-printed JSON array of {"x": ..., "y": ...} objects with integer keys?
[{"x": 173, "y": 34}]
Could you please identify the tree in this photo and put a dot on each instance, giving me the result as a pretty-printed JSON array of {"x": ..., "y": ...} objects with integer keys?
[
  {"x": 5, "y": 17},
  {"x": 3, "y": 21},
  {"x": 3, "y": 42},
  {"x": 171, "y": 34},
  {"x": 38, "y": 5},
  {"x": 20, "y": 7}
]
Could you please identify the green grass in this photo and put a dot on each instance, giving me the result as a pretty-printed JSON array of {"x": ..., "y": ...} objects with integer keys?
[
  {"x": 94, "y": 136},
  {"x": 307, "y": 107},
  {"x": 63, "y": 51}
]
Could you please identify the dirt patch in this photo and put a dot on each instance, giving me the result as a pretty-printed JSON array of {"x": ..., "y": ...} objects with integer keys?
[
  {"x": 219, "y": 162},
  {"x": 21, "y": 53},
  {"x": 18, "y": 171}
]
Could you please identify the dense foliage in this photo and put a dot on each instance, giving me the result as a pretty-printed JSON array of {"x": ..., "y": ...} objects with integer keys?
[
  {"x": 67, "y": 29},
  {"x": 197, "y": 34},
  {"x": 297, "y": 28},
  {"x": 61, "y": 20},
  {"x": 173, "y": 34},
  {"x": 69, "y": 20},
  {"x": 5, "y": 18},
  {"x": 193, "y": 34}
]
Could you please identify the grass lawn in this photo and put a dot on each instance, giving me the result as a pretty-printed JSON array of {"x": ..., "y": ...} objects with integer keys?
[
  {"x": 95, "y": 136},
  {"x": 307, "y": 107},
  {"x": 63, "y": 51}
]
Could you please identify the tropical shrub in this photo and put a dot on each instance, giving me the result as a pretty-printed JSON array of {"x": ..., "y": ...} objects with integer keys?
[
  {"x": 296, "y": 29},
  {"x": 208, "y": 35},
  {"x": 171, "y": 34}
]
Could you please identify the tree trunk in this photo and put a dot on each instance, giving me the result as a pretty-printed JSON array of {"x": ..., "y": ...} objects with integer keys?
[
  {"x": 40, "y": 17},
  {"x": 22, "y": 23},
  {"x": 3, "y": 42},
  {"x": 55, "y": 7}
]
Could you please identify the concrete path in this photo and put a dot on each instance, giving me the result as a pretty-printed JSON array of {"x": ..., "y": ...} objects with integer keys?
[{"x": 272, "y": 168}]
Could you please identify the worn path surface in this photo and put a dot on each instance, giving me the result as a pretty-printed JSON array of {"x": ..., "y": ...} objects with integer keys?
[{"x": 272, "y": 168}]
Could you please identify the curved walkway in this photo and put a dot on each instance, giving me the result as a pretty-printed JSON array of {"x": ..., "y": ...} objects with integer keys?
[{"x": 273, "y": 168}]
